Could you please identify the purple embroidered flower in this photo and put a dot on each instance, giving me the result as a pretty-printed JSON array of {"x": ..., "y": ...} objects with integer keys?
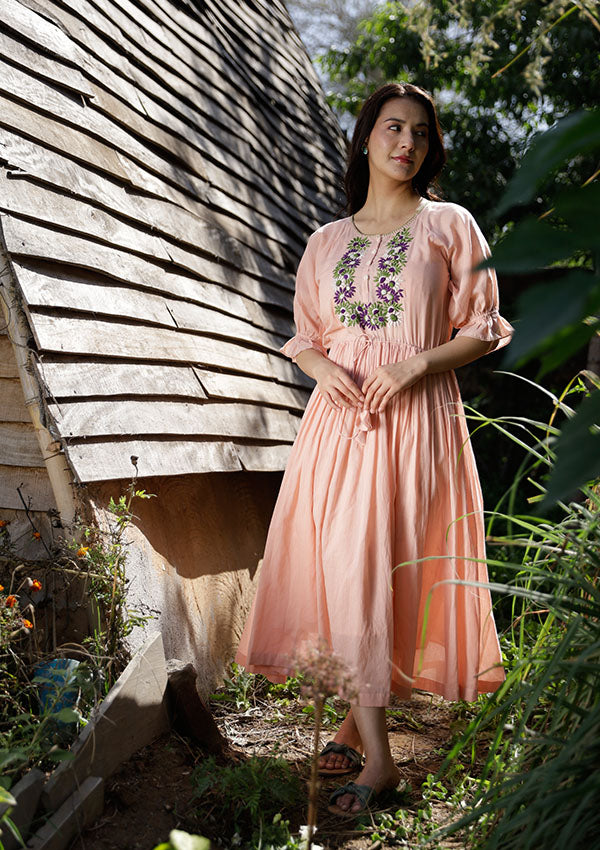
[{"x": 384, "y": 291}]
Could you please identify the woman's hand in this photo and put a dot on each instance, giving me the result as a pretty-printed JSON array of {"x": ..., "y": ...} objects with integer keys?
[
  {"x": 336, "y": 386},
  {"x": 390, "y": 379}
]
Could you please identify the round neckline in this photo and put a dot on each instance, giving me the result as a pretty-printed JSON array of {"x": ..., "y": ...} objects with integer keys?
[{"x": 420, "y": 206}]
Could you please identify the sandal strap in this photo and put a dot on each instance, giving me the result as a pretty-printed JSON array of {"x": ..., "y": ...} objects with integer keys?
[
  {"x": 363, "y": 793},
  {"x": 351, "y": 754}
]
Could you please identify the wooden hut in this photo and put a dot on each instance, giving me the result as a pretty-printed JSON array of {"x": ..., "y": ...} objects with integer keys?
[{"x": 162, "y": 163}]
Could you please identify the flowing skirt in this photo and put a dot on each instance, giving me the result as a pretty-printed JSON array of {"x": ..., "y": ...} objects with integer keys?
[{"x": 377, "y": 517}]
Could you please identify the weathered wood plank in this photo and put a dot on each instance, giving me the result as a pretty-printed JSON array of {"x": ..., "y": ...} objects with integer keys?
[
  {"x": 25, "y": 198},
  {"x": 60, "y": 137},
  {"x": 48, "y": 100},
  {"x": 105, "y": 461},
  {"x": 202, "y": 52},
  {"x": 81, "y": 379},
  {"x": 43, "y": 290},
  {"x": 148, "y": 82},
  {"x": 205, "y": 37},
  {"x": 49, "y": 37},
  {"x": 12, "y": 404},
  {"x": 222, "y": 385},
  {"x": 137, "y": 342},
  {"x": 34, "y": 485},
  {"x": 257, "y": 458},
  {"x": 136, "y": 418},
  {"x": 19, "y": 445},
  {"x": 28, "y": 199},
  {"x": 167, "y": 118},
  {"x": 202, "y": 230},
  {"x": 8, "y": 364},
  {"x": 43, "y": 66},
  {"x": 80, "y": 145},
  {"x": 25, "y": 239}
]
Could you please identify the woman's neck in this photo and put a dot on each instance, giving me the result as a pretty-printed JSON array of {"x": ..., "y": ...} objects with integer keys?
[{"x": 382, "y": 211}]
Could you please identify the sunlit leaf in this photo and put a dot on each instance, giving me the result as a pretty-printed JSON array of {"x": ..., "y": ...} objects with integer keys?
[
  {"x": 67, "y": 715},
  {"x": 6, "y": 798},
  {"x": 183, "y": 841},
  {"x": 572, "y": 136}
]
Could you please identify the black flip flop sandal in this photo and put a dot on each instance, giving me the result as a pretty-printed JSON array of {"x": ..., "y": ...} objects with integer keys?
[
  {"x": 353, "y": 756},
  {"x": 363, "y": 793}
]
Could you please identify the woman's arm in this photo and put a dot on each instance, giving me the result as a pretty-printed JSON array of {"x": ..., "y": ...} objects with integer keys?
[
  {"x": 388, "y": 380},
  {"x": 336, "y": 386}
]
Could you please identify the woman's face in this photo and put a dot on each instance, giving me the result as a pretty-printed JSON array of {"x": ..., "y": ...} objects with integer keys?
[{"x": 399, "y": 140}]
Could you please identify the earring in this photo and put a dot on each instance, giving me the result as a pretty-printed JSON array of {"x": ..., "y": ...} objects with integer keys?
[{"x": 365, "y": 150}]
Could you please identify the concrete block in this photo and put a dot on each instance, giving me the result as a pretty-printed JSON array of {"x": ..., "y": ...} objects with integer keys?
[
  {"x": 132, "y": 715},
  {"x": 191, "y": 716},
  {"x": 27, "y": 793},
  {"x": 82, "y": 808}
]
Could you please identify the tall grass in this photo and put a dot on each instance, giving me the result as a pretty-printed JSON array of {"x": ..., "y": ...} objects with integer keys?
[{"x": 540, "y": 781}]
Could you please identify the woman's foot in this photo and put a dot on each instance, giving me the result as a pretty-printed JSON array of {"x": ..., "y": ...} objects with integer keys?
[
  {"x": 379, "y": 778},
  {"x": 347, "y": 734}
]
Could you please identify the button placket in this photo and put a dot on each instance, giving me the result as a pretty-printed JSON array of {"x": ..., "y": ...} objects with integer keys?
[{"x": 372, "y": 256}]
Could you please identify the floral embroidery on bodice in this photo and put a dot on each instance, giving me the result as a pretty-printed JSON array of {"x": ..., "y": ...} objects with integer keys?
[{"x": 371, "y": 315}]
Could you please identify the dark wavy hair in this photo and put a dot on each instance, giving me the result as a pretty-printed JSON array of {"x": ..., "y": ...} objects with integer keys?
[{"x": 356, "y": 178}]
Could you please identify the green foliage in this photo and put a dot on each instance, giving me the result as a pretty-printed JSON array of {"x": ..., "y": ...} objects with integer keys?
[
  {"x": 540, "y": 780},
  {"x": 36, "y": 730},
  {"x": 7, "y": 801},
  {"x": 451, "y": 48},
  {"x": 241, "y": 688},
  {"x": 103, "y": 560},
  {"x": 247, "y": 798},
  {"x": 560, "y": 315}
]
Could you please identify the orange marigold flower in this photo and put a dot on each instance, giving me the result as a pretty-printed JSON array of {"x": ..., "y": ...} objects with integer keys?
[
  {"x": 1, "y": 588},
  {"x": 3, "y": 523},
  {"x": 36, "y": 585},
  {"x": 27, "y": 624},
  {"x": 82, "y": 551},
  {"x": 11, "y": 601},
  {"x": 37, "y": 535}
]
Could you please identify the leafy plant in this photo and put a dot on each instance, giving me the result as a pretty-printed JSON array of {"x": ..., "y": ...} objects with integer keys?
[
  {"x": 540, "y": 778},
  {"x": 103, "y": 562},
  {"x": 246, "y": 799},
  {"x": 37, "y": 729},
  {"x": 557, "y": 317}
]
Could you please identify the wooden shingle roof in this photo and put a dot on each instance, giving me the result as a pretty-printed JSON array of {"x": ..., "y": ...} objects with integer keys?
[{"x": 162, "y": 163}]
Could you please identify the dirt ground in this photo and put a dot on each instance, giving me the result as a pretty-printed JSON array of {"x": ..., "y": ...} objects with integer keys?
[{"x": 152, "y": 793}]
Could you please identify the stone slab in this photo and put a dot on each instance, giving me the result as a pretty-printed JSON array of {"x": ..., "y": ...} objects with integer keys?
[
  {"x": 81, "y": 809},
  {"x": 132, "y": 715},
  {"x": 191, "y": 715},
  {"x": 27, "y": 793}
]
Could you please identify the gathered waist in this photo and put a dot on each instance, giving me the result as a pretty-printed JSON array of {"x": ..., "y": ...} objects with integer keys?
[{"x": 362, "y": 342}]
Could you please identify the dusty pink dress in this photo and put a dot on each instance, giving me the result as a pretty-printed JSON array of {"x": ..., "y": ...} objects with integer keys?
[{"x": 377, "y": 514}]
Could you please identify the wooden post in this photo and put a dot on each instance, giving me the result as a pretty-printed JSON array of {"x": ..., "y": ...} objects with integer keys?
[{"x": 19, "y": 333}]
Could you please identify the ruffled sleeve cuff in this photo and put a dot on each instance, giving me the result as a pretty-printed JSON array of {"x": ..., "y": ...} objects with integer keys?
[
  {"x": 299, "y": 343},
  {"x": 488, "y": 327}
]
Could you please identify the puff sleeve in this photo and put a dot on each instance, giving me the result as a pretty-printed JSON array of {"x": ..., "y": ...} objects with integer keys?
[
  {"x": 473, "y": 307},
  {"x": 309, "y": 327}
]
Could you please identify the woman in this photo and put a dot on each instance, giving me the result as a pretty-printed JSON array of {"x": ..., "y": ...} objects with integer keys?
[{"x": 380, "y": 506}]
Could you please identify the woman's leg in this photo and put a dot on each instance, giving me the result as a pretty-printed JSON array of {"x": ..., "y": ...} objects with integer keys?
[
  {"x": 379, "y": 771},
  {"x": 346, "y": 734}
]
